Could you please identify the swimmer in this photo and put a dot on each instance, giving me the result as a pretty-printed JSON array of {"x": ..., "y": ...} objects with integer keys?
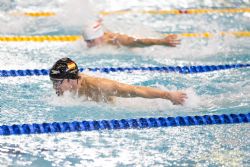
[
  {"x": 65, "y": 76},
  {"x": 94, "y": 35}
]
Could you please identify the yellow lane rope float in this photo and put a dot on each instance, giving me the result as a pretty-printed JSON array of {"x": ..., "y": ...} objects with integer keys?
[
  {"x": 210, "y": 35},
  {"x": 42, "y": 38},
  {"x": 176, "y": 11},
  {"x": 71, "y": 38},
  {"x": 153, "y": 12},
  {"x": 39, "y": 14}
]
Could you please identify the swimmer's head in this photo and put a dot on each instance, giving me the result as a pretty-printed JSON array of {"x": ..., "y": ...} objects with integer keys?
[
  {"x": 64, "y": 68},
  {"x": 93, "y": 33}
]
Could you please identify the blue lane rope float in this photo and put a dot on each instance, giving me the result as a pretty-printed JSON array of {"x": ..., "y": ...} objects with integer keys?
[
  {"x": 179, "y": 69},
  {"x": 139, "y": 123}
]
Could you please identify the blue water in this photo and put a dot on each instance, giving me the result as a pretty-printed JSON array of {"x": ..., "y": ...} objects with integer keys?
[{"x": 32, "y": 99}]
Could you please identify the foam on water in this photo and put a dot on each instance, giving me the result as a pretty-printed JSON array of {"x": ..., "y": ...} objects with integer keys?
[
  {"x": 68, "y": 99},
  {"x": 193, "y": 101}
]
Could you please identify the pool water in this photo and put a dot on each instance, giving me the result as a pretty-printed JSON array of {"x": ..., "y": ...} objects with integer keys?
[{"x": 33, "y": 100}]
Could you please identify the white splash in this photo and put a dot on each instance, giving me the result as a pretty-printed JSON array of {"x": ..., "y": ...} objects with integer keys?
[{"x": 193, "y": 100}]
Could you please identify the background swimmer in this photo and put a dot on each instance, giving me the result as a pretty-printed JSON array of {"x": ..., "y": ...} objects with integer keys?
[{"x": 94, "y": 35}]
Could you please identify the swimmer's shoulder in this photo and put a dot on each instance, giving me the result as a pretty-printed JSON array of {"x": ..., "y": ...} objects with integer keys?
[{"x": 90, "y": 80}]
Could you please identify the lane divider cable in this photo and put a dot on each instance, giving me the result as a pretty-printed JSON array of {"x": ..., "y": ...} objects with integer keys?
[
  {"x": 152, "y": 12},
  {"x": 139, "y": 123},
  {"x": 178, "y": 69},
  {"x": 73, "y": 38}
]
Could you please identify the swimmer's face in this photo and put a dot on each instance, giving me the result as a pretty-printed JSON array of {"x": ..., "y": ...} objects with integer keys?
[
  {"x": 61, "y": 85},
  {"x": 94, "y": 42},
  {"x": 57, "y": 85}
]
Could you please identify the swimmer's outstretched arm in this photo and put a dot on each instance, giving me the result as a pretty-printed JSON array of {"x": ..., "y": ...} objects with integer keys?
[
  {"x": 120, "y": 39},
  {"x": 113, "y": 88}
]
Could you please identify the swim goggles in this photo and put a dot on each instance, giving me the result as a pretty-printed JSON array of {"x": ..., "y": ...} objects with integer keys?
[{"x": 57, "y": 82}]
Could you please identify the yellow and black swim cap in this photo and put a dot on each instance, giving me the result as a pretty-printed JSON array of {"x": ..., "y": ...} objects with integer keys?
[{"x": 64, "y": 68}]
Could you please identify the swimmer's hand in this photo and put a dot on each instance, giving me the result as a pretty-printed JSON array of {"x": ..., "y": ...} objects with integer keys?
[
  {"x": 177, "y": 98},
  {"x": 171, "y": 40}
]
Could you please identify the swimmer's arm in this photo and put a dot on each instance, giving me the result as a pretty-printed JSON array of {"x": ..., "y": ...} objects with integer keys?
[
  {"x": 119, "y": 39},
  {"x": 113, "y": 88},
  {"x": 148, "y": 92}
]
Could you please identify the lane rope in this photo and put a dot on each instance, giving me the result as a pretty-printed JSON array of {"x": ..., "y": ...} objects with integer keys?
[
  {"x": 152, "y": 12},
  {"x": 139, "y": 123},
  {"x": 42, "y": 38},
  {"x": 178, "y": 11},
  {"x": 72, "y": 38},
  {"x": 178, "y": 69}
]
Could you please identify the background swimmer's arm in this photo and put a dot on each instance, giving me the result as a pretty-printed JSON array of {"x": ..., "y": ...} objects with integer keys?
[
  {"x": 119, "y": 39},
  {"x": 113, "y": 88}
]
